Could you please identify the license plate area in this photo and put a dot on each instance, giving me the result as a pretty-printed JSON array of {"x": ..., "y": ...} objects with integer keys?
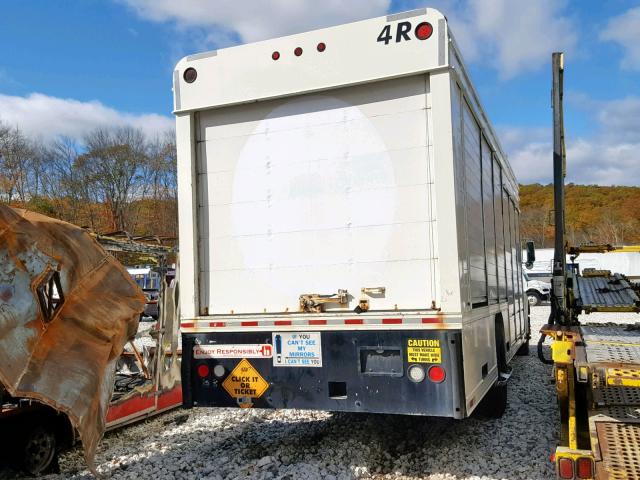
[{"x": 381, "y": 361}]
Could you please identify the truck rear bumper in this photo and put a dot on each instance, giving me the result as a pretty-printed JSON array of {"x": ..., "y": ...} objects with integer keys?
[{"x": 354, "y": 371}]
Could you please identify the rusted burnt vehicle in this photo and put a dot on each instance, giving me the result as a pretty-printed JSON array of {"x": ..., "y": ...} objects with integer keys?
[
  {"x": 73, "y": 362},
  {"x": 32, "y": 433}
]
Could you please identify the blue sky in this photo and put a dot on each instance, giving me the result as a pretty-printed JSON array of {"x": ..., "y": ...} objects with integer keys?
[{"x": 69, "y": 66}]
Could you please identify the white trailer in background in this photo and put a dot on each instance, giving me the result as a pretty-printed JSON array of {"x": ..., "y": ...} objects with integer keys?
[
  {"x": 348, "y": 225},
  {"x": 624, "y": 262}
]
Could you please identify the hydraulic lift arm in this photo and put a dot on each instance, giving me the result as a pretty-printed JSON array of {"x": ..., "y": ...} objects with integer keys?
[{"x": 596, "y": 367}]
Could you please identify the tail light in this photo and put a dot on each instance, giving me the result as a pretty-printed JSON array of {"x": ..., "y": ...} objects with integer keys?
[
  {"x": 584, "y": 467},
  {"x": 424, "y": 31},
  {"x": 416, "y": 373},
  {"x": 565, "y": 468},
  {"x": 436, "y": 374},
  {"x": 203, "y": 371}
]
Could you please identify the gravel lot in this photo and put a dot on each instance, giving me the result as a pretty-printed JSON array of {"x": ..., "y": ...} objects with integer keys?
[{"x": 287, "y": 445}]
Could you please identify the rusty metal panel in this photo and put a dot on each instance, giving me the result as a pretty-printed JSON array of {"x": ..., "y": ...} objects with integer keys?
[
  {"x": 66, "y": 310},
  {"x": 620, "y": 448}
]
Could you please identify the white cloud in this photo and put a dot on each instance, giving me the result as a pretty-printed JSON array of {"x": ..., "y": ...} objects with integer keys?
[
  {"x": 522, "y": 33},
  {"x": 625, "y": 31},
  {"x": 512, "y": 36},
  {"x": 608, "y": 157},
  {"x": 47, "y": 117},
  {"x": 621, "y": 119},
  {"x": 529, "y": 153},
  {"x": 258, "y": 19}
]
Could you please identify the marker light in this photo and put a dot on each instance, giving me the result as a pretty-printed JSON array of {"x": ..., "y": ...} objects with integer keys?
[
  {"x": 416, "y": 373},
  {"x": 584, "y": 466},
  {"x": 424, "y": 31},
  {"x": 322, "y": 47},
  {"x": 190, "y": 75},
  {"x": 298, "y": 51},
  {"x": 275, "y": 55},
  {"x": 218, "y": 371},
  {"x": 436, "y": 374},
  {"x": 203, "y": 371},
  {"x": 565, "y": 468}
]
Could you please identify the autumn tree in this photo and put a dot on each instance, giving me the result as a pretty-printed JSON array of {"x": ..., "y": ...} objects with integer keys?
[{"x": 113, "y": 163}]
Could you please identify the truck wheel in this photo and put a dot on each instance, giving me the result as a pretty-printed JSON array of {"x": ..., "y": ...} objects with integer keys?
[
  {"x": 523, "y": 351},
  {"x": 534, "y": 298},
  {"x": 38, "y": 450},
  {"x": 494, "y": 404}
]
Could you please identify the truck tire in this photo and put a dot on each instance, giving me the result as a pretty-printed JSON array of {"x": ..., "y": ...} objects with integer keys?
[
  {"x": 523, "y": 351},
  {"x": 38, "y": 449},
  {"x": 494, "y": 403},
  {"x": 534, "y": 298}
]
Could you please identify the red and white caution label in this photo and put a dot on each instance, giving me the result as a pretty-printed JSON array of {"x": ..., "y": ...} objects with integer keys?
[{"x": 233, "y": 351}]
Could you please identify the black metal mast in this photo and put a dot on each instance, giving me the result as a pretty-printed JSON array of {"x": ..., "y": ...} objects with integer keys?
[{"x": 559, "y": 300}]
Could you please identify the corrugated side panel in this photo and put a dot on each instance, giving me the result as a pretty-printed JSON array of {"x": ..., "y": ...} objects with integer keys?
[
  {"x": 461, "y": 212},
  {"x": 489, "y": 222},
  {"x": 313, "y": 194},
  {"x": 473, "y": 204},
  {"x": 500, "y": 240}
]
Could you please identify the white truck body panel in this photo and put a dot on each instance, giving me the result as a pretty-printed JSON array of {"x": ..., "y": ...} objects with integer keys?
[
  {"x": 365, "y": 165},
  {"x": 315, "y": 193},
  {"x": 247, "y": 73}
]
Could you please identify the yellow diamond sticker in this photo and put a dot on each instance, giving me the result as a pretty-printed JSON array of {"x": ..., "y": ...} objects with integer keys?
[{"x": 245, "y": 381}]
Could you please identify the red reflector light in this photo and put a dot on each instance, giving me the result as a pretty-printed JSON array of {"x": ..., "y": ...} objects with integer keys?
[
  {"x": 424, "y": 31},
  {"x": 584, "y": 467},
  {"x": 322, "y": 47},
  {"x": 565, "y": 468},
  {"x": 436, "y": 374},
  {"x": 298, "y": 51},
  {"x": 203, "y": 371},
  {"x": 275, "y": 55}
]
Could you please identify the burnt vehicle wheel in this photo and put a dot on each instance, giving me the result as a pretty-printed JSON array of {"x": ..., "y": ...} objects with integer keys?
[{"x": 38, "y": 450}]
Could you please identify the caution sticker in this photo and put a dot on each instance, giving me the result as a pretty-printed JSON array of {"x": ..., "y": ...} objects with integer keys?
[
  {"x": 245, "y": 382},
  {"x": 424, "y": 350}
]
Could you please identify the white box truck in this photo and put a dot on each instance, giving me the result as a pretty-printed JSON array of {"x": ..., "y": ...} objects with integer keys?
[{"x": 348, "y": 225}]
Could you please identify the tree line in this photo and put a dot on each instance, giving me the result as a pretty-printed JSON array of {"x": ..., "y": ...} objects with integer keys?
[
  {"x": 118, "y": 179},
  {"x": 593, "y": 214},
  {"x": 114, "y": 179}
]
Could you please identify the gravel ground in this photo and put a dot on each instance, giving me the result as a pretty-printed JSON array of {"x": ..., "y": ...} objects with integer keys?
[{"x": 287, "y": 445}]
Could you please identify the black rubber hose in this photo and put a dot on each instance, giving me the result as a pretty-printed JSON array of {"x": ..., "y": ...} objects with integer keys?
[{"x": 540, "y": 353}]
